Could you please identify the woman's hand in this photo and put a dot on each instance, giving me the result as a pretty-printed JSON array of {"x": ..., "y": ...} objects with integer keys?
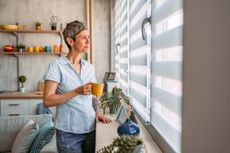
[
  {"x": 84, "y": 89},
  {"x": 103, "y": 119}
]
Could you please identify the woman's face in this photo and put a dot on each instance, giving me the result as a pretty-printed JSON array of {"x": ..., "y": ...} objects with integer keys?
[{"x": 82, "y": 41}]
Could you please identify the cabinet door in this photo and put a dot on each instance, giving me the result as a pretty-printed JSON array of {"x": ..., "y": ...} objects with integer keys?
[
  {"x": 14, "y": 107},
  {"x": 33, "y": 105}
]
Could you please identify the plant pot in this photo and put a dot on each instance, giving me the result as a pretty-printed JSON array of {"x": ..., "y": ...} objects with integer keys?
[
  {"x": 38, "y": 27},
  {"x": 113, "y": 110},
  {"x": 140, "y": 148},
  {"x": 53, "y": 27},
  {"x": 20, "y": 49},
  {"x": 22, "y": 89}
]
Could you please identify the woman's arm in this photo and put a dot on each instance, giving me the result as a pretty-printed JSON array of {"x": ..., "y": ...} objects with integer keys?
[
  {"x": 51, "y": 98},
  {"x": 99, "y": 116}
]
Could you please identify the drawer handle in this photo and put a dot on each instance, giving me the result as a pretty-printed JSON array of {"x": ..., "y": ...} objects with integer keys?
[
  {"x": 14, "y": 114},
  {"x": 13, "y": 104}
]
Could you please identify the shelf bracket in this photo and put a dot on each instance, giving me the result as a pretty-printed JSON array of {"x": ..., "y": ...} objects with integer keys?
[
  {"x": 17, "y": 58},
  {"x": 16, "y": 35}
]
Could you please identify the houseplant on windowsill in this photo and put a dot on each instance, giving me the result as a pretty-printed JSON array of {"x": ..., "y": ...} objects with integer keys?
[
  {"x": 22, "y": 80},
  {"x": 125, "y": 144},
  {"x": 111, "y": 100}
]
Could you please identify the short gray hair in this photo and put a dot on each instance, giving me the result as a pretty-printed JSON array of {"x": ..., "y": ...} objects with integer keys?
[{"x": 72, "y": 29}]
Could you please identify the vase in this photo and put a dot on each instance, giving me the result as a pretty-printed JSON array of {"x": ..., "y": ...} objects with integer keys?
[{"x": 128, "y": 128}]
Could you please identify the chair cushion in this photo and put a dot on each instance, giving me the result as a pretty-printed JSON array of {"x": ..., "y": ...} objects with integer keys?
[
  {"x": 11, "y": 125},
  {"x": 25, "y": 137},
  {"x": 44, "y": 136}
]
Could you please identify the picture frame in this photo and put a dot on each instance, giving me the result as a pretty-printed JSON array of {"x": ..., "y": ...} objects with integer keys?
[{"x": 109, "y": 76}]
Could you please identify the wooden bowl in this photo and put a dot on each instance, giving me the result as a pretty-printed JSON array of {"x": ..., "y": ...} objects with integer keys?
[{"x": 9, "y": 27}]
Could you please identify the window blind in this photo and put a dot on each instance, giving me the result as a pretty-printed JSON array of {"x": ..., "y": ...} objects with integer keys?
[
  {"x": 167, "y": 21},
  {"x": 140, "y": 57},
  {"x": 122, "y": 41},
  {"x": 133, "y": 54}
]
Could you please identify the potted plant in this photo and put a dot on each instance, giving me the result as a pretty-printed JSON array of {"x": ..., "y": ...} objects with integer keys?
[
  {"x": 21, "y": 47},
  {"x": 54, "y": 21},
  {"x": 22, "y": 80},
  {"x": 38, "y": 26},
  {"x": 111, "y": 100},
  {"x": 124, "y": 144}
]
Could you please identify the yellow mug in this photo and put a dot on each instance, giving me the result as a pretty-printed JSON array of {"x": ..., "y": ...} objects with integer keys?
[{"x": 97, "y": 88}]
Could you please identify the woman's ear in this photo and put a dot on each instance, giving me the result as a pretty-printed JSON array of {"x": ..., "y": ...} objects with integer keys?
[{"x": 70, "y": 41}]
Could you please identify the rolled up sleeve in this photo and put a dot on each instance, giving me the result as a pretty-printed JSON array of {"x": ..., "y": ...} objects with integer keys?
[{"x": 52, "y": 73}]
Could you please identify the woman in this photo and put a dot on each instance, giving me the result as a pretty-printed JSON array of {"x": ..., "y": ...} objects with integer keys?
[{"x": 67, "y": 87}]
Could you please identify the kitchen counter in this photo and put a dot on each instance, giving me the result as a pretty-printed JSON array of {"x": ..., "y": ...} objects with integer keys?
[
  {"x": 105, "y": 133},
  {"x": 21, "y": 95}
]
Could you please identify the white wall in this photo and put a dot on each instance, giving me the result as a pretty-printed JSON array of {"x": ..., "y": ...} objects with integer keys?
[
  {"x": 27, "y": 12},
  {"x": 101, "y": 37},
  {"x": 206, "y": 77}
]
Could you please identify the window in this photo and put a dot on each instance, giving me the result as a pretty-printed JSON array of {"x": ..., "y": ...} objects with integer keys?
[
  {"x": 149, "y": 69},
  {"x": 167, "y": 21}
]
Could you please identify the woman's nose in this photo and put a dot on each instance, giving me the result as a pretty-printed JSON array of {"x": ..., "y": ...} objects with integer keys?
[{"x": 87, "y": 40}]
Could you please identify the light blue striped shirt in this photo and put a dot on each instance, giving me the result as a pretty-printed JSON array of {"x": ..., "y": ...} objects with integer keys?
[{"x": 75, "y": 115}]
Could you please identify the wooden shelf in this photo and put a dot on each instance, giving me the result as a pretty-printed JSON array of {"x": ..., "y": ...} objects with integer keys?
[
  {"x": 28, "y": 53},
  {"x": 31, "y": 31}
]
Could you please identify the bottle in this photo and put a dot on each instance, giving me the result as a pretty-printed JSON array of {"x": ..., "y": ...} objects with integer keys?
[
  {"x": 55, "y": 48},
  {"x": 41, "y": 86},
  {"x": 61, "y": 48}
]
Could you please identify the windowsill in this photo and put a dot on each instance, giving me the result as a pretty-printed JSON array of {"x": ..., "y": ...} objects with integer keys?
[{"x": 105, "y": 133}]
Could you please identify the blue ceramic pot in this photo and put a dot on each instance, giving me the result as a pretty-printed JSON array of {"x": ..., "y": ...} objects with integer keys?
[{"x": 128, "y": 128}]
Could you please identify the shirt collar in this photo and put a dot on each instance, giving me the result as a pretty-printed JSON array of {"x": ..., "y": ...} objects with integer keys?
[{"x": 63, "y": 60}]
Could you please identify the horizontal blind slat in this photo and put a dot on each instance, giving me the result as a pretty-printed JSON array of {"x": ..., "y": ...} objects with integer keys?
[
  {"x": 137, "y": 44},
  {"x": 170, "y": 70},
  {"x": 142, "y": 70},
  {"x": 142, "y": 111},
  {"x": 139, "y": 97},
  {"x": 139, "y": 51},
  {"x": 123, "y": 29},
  {"x": 169, "y": 100},
  {"x": 136, "y": 6},
  {"x": 136, "y": 25},
  {"x": 139, "y": 78},
  {"x": 139, "y": 60},
  {"x": 171, "y": 135},
  {"x": 137, "y": 36},
  {"x": 168, "y": 39},
  {"x": 140, "y": 14},
  {"x": 168, "y": 8}
]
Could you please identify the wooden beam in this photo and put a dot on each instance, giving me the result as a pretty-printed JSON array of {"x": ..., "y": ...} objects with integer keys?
[{"x": 89, "y": 12}]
